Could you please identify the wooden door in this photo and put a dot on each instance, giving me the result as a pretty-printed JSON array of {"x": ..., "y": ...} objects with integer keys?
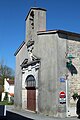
[{"x": 31, "y": 99}]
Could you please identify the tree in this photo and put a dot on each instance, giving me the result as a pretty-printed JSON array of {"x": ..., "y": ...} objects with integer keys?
[{"x": 5, "y": 72}]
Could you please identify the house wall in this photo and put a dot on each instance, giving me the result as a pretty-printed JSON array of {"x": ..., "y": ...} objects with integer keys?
[
  {"x": 49, "y": 49},
  {"x": 11, "y": 89},
  {"x": 21, "y": 55},
  {"x": 6, "y": 86},
  {"x": 61, "y": 73}
]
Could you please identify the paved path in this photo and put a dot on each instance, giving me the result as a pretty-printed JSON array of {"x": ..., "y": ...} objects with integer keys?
[{"x": 35, "y": 116}]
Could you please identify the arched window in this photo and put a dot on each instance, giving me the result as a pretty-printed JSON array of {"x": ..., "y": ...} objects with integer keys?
[{"x": 30, "y": 81}]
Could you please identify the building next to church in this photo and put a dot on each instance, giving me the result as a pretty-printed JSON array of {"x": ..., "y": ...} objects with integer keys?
[{"x": 47, "y": 68}]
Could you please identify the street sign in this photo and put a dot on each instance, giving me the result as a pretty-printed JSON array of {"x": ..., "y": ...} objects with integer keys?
[
  {"x": 62, "y": 79},
  {"x": 62, "y": 94},
  {"x": 62, "y": 97}
]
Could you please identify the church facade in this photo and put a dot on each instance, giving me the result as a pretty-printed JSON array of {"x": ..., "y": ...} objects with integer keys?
[{"x": 47, "y": 68}]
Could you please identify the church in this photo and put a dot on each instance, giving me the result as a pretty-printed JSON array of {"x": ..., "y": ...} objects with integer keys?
[{"x": 47, "y": 75}]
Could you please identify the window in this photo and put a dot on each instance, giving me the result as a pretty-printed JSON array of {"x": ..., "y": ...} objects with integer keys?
[{"x": 30, "y": 81}]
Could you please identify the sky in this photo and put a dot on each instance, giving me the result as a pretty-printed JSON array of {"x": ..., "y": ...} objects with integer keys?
[{"x": 61, "y": 14}]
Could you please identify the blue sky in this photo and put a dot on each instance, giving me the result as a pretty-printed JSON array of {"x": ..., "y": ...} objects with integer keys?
[{"x": 61, "y": 14}]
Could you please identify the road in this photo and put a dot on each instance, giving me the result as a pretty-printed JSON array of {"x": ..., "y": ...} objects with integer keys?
[{"x": 14, "y": 116}]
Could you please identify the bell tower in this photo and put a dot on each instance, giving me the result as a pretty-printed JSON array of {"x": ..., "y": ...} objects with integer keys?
[{"x": 35, "y": 21}]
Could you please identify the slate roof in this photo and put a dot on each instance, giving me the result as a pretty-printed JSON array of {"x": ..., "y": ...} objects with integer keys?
[{"x": 11, "y": 82}]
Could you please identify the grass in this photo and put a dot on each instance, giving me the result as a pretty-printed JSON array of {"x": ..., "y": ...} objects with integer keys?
[{"x": 5, "y": 103}]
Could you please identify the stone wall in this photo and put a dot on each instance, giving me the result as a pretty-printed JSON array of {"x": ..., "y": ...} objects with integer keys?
[{"x": 73, "y": 48}]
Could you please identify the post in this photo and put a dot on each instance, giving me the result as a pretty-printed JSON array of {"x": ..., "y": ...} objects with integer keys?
[
  {"x": 66, "y": 99},
  {"x": 2, "y": 110}
]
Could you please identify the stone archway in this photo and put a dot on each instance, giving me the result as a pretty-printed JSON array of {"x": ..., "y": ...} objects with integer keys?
[{"x": 31, "y": 92}]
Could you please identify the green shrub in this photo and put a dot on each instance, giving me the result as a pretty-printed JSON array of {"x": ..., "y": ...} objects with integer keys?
[{"x": 75, "y": 96}]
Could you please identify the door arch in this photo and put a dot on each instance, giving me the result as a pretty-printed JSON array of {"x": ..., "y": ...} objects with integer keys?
[{"x": 30, "y": 82}]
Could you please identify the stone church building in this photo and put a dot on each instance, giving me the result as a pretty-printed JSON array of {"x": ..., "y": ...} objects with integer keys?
[{"x": 47, "y": 68}]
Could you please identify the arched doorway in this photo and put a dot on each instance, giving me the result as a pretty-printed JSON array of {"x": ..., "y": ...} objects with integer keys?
[{"x": 31, "y": 92}]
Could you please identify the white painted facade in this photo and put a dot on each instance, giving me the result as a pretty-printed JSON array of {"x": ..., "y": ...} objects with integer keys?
[{"x": 8, "y": 88}]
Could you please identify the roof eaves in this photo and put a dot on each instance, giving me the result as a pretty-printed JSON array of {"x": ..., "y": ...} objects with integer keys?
[
  {"x": 58, "y": 31},
  {"x": 69, "y": 33},
  {"x": 46, "y": 32},
  {"x": 19, "y": 48}
]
